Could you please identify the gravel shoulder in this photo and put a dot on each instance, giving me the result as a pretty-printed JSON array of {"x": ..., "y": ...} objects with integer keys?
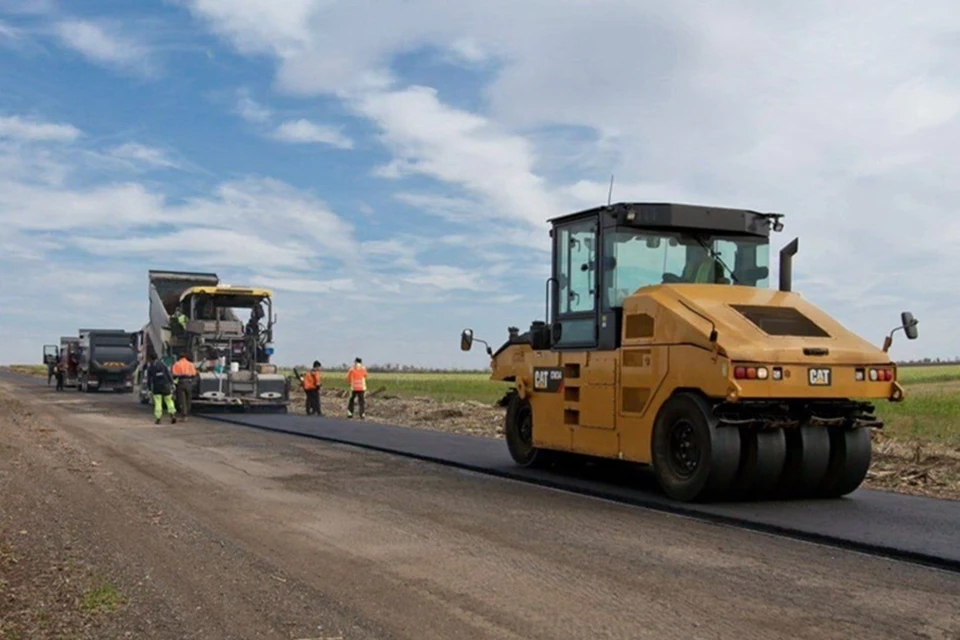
[{"x": 119, "y": 528}]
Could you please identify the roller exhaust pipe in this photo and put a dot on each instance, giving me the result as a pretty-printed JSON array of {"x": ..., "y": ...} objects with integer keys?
[{"x": 786, "y": 264}]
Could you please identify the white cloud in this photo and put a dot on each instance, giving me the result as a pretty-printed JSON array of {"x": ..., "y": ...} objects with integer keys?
[
  {"x": 307, "y": 285},
  {"x": 143, "y": 154},
  {"x": 251, "y": 110},
  {"x": 432, "y": 139},
  {"x": 18, "y": 128},
  {"x": 29, "y": 7},
  {"x": 8, "y": 32},
  {"x": 446, "y": 277},
  {"x": 304, "y": 131},
  {"x": 203, "y": 246},
  {"x": 34, "y": 207},
  {"x": 104, "y": 43},
  {"x": 295, "y": 131},
  {"x": 257, "y": 27}
]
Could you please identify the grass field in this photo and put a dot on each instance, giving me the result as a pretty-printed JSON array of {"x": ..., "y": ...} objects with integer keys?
[
  {"x": 931, "y": 410},
  {"x": 446, "y": 387},
  {"x": 930, "y": 413}
]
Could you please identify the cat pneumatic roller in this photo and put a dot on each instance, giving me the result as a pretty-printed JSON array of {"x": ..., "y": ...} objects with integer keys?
[{"x": 664, "y": 345}]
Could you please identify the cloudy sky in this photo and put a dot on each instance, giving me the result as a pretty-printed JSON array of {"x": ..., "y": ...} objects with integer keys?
[{"x": 387, "y": 167}]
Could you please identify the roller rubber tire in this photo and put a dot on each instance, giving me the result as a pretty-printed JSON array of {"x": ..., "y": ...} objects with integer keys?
[
  {"x": 693, "y": 459},
  {"x": 850, "y": 454},
  {"x": 805, "y": 467},
  {"x": 518, "y": 432},
  {"x": 762, "y": 454}
]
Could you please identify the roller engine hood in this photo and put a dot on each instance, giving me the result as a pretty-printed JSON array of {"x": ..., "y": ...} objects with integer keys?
[{"x": 767, "y": 325}]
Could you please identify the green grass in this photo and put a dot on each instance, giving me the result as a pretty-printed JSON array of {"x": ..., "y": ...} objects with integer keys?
[
  {"x": 931, "y": 410},
  {"x": 105, "y": 598},
  {"x": 30, "y": 369},
  {"x": 931, "y": 373},
  {"x": 447, "y": 387}
]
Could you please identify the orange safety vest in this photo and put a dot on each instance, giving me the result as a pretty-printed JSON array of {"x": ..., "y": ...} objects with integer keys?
[
  {"x": 311, "y": 380},
  {"x": 184, "y": 367},
  {"x": 357, "y": 377}
]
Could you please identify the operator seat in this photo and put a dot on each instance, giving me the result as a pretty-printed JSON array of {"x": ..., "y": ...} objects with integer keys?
[{"x": 702, "y": 271}]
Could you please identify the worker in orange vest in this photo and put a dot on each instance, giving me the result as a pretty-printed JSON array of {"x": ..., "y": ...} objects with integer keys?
[
  {"x": 311, "y": 386},
  {"x": 357, "y": 377},
  {"x": 184, "y": 374}
]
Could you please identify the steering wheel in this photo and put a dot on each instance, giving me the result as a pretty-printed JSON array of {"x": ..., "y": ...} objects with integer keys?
[{"x": 669, "y": 278}]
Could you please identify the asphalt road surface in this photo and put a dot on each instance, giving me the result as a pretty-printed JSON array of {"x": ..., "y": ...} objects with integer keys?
[{"x": 220, "y": 532}]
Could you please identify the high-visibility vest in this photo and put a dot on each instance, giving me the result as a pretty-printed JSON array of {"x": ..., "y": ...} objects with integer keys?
[
  {"x": 357, "y": 377},
  {"x": 184, "y": 367},
  {"x": 311, "y": 380}
]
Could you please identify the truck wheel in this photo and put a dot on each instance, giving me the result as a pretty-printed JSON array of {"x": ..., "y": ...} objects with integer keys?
[
  {"x": 850, "y": 453},
  {"x": 694, "y": 460},
  {"x": 518, "y": 432}
]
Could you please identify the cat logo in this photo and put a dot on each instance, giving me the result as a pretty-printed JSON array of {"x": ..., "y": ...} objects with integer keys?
[
  {"x": 819, "y": 377},
  {"x": 548, "y": 379}
]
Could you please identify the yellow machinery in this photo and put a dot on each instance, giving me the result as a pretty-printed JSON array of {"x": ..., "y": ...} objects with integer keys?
[{"x": 664, "y": 345}]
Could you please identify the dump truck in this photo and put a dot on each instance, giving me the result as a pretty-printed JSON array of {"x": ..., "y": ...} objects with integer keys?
[
  {"x": 107, "y": 359},
  {"x": 193, "y": 313},
  {"x": 69, "y": 356},
  {"x": 663, "y": 344}
]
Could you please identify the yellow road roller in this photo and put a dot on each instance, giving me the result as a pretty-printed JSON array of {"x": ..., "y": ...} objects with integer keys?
[{"x": 664, "y": 344}]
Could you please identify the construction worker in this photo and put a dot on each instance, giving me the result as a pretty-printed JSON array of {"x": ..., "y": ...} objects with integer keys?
[
  {"x": 58, "y": 371},
  {"x": 184, "y": 374},
  {"x": 357, "y": 377},
  {"x": 178, "y": 323},
  {"x": 160, "y": 383},
  {"x": 311, "y": 386}
]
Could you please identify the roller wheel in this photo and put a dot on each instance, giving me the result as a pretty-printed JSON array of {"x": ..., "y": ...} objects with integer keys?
[
  {"x": 518, "y": 431},
  {"x": 850, "y": 454},
  {"x": 762, "y": 454},
  {"x": 694, "y": 460},
  {"x": 808, "y": 456}
]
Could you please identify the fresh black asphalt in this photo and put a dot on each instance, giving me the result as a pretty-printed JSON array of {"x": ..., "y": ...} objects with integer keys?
[{"x": 914, "y": 528}]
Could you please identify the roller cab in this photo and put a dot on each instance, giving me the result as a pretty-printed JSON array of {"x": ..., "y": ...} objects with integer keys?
[{"x": 664, "y": 344}]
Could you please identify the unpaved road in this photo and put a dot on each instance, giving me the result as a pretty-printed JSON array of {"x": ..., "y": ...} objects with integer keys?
[{"x": 206, "y": 530}]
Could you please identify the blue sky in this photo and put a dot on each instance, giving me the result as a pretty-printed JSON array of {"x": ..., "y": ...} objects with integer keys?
[{"x": 388, "y": 167}]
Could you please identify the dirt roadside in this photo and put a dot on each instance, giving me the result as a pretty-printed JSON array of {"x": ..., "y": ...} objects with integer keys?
[
  {"x": 203, "y": 530},
  {"x": 89, "y": 550}
]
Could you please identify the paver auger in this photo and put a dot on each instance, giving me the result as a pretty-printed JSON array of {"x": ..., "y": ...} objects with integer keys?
[{"x": 663, "y": 345}]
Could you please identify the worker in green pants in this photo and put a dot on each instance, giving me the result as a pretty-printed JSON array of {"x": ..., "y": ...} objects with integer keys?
[{"x": 160, "y": 383}]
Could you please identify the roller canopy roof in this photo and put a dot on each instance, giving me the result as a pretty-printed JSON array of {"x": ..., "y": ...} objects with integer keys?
[{"x": 681, "y": 217}]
